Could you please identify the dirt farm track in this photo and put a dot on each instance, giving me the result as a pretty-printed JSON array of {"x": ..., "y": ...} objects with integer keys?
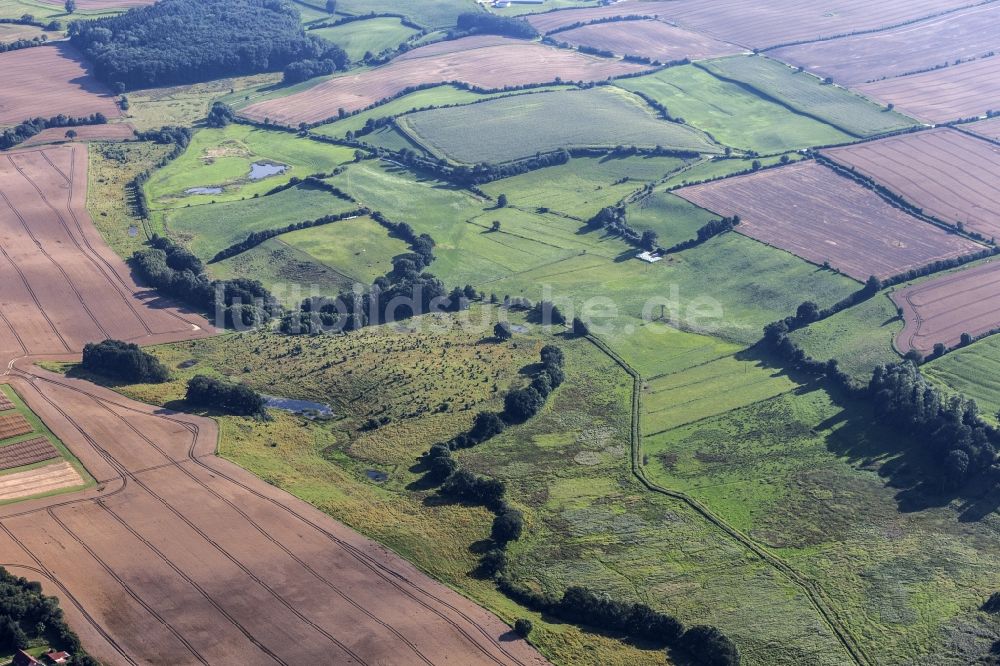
[{"x": 176, "y": 556}]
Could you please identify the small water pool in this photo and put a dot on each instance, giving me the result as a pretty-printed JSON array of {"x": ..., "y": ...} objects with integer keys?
[
  {"x": 260, "y": 170},
  {"x": 203, "y": 190},
  {"x": 304, "y": 408},
  {"x": 133, "y": 231},
  {"x": 377, "y": 476}
]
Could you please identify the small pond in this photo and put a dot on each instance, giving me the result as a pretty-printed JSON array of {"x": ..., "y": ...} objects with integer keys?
[
  {"x": 377, "y": 476},
  {"x": 190, "y": 363},
  {"x": 310, "y": 410},
  {"x": 260, "y": 170},
  {"x": 517, "y": 328},
  {"x": 133, "y": 231},
  {"x": 203, "y": 190}
]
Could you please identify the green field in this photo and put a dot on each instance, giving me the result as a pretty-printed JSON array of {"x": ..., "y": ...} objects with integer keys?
[
  {"x": 222, "y": 158},
  {"x": 733, "y": 115},
  {"x": 438, "y": 96},
  {"x": 860, "y": 337},
  {"x": 208, "y": 228},
  {"x": 188, "y": 105},
  {"x": 428, "y": 13},
  {"x": 798, "y": 474},
  {"x": 722, "y": 168},
  {"x": 371, "y": 36},
  {"x": 672, "y": 218},
  {"x": 512, "y": 128},
  {"x": 971, "y": 371},
  {"x": 47, "y": 11},
  {"x": 584, "y": 185},
  {"x": 806, "y": 94}
]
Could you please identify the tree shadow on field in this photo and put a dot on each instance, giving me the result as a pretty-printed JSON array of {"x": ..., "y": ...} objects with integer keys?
[{"x": 856, "y": 434}]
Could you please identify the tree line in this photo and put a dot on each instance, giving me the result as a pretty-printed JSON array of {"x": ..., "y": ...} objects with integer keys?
[
  {"x": 711, "y": 229},
  {"x": 179, "y": 137},
  {"x": 176, "y": 272},
  {"x": 125, "y": 361},
  {"x": 27, "y": 615},
  {"x": 255, "y": 238},
  {"x": 577, "y": 605},
  {"x": 19, "y": 44},
  {"x": 29, "y": 128},
  {"x": 188, "y": 41}
]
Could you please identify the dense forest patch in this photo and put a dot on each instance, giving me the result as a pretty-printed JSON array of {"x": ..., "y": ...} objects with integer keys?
[{"x": 189, "y": 41}]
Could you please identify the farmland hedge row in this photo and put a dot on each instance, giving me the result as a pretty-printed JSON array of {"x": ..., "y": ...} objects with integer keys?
[
  {"x": 257, "y": 237},
  {"x": 179, "y": 137},
  {"x": 19, "y": 44},
  {"x": 577, "y": 605},
  {"x": 187, "y": 41},
  {"x": 29, "y": 128},
  {"x": 598, "y": 21}
]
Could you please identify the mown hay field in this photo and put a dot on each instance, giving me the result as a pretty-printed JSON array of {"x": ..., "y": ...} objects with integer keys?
[
  {"x": 512, "y": 128},
  {"x": 369, "y": 36}
]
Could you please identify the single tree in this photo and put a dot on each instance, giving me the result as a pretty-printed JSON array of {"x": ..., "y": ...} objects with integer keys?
[
  {"x": 580, "y": 328},
  {"x": 70, "y": 6},
  {"x": 70, "y": 134},
  {"x": 495, "y": 226},
  {"x": 331, "y": 6},
  {"x": 502, "y": 331},
  {"x": 649, "y": 240},
  {"x": 502, "y": 201},
  {"x": 522, "y": 627}
]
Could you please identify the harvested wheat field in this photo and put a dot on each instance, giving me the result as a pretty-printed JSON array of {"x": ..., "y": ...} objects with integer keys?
[
  {"x": 47, "y": 81},
  {"x": 178, "y": 557},
  {"x": 941, "y": 310},
  {"x": 989, "y": 129},
  {"x": 549, "y": 21},
  {"x": 949, "y": 174},
  {"x": 942, "y": 95},
  {"x": 651, "y": 39},
  {"x": 961, "y": 35},
  {"x": 60, "y": 284},
  {"x": 38, "y": 481},
  {"x": 486, "y": 62},
  {"x": 108, "y": 132},
  {"x": 810, "y": 211},
  {"x": 780, "y": 22}
]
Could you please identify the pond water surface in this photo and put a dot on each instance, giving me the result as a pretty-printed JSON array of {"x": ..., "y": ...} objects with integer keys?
[
  {"x": 259, "y": 170},
  {"x": 204, "y": 190},
  {"x": 303, "y": 407}
]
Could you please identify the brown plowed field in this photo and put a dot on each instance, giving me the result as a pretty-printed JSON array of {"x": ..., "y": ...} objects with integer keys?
[
  {"x": 960, "y": 91},
  {"x": 949, "y": 174},
  {"x": 27, "y": 453},
  {"x": 652, "y": 39},
  {"x": 60, "y": 285},
  {"x": 547, "y": 21},
  {"x": 13, "y": 425},
  {"x": 488, "y": 62},
  {"x": 181, "y": 558},
  {"x": 108, "y": 132},
  {"x": 986, "y": 128},
  {"x": 965, "y": 34},
  {"x": 756, "y": 24},
  {"x": 49, "y": 80},
  {"x": 5, "y": 403},
  {"x": 940, "y": 310},
  {"x": 810, "y": 211}
]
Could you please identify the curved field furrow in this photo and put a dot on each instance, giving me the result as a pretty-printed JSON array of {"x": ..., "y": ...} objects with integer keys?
[
  {"x": 820, "y": 216},
  {"x": 941, "y": 310}
]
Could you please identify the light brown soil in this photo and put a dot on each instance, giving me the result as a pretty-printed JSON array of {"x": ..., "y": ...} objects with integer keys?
[
  {"x": 177, "y": 557},
  {"x": 488, "y": 62},
  {"x": 940, "y": 310},
  {"x": 962, "y": 35},
  {"x": 48, "y": 80},
  {"x": 38, "y": 481},
  {"x": 546, "y": 21},
  {"x": 810, "y": 211},
  {"x": 108, "y": 132},
  {"x": 651, "y": 39},
  {"x": 28, "y": 452},
  {"x": 960, "y": 91},
  {"x": 949, "y": 174}
]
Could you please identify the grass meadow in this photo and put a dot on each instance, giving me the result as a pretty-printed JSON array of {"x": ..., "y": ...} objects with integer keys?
[
  {"x": 598, "y": 117},
  {"x": 733, "y": 115},
  {"x": 806, "y": 94},
  {"x": 221, "y": 158},
  {"x": 370, "y": 36},
  {"x": 427, "y": 13},
  {"x": 971, "y": 371},
  {"x": 208, "y": 228}
]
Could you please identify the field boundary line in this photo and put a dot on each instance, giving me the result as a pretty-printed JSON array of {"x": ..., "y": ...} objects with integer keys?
[{"x": 812, "y": 589}]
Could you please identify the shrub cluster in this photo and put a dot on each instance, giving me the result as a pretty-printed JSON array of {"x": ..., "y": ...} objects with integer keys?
[
  {"x": 29, "y": 128},
  {"x": 710, "y": 230},
  {"x": 187, "y": 41},
  {"x": 174, "y": 271},
  {"x": 19, "y": 44},
  {"x": 27, "y": 614},
  {"x": 124, "y": 360},
  {"x": 225, "y": 396}
]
